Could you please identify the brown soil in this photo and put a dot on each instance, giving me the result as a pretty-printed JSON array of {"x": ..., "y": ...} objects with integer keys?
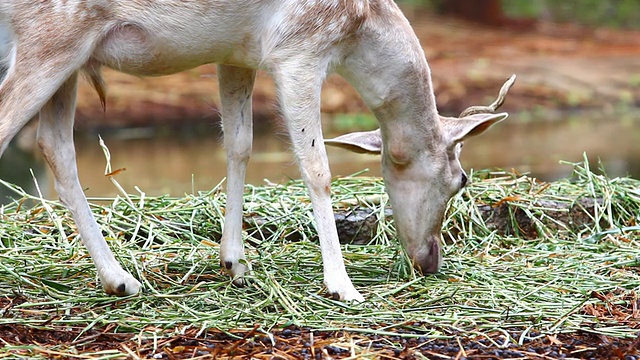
[
  {"x": 301, "y": 343},
  {"x": 564, "y": 66}
]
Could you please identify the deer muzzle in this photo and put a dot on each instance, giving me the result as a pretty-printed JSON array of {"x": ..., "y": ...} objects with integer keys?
[{"x": 427, "y": 258}]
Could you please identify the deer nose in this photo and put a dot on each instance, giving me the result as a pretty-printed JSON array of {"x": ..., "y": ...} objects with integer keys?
[{"x": 429, "y": 259}]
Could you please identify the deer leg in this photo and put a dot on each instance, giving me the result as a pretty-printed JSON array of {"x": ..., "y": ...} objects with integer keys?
[
  {"x": 31, "y": 79},
  {"x": 299, "y": 88},
  {"x": 22, "y": 94},
  {"x": 55, "y": 139},
  {"x": 236, "y": 86}
]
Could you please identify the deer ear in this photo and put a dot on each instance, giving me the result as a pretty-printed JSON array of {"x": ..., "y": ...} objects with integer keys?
[
  {"x": 368, "y": 142},
  {"x": 468, "y": 126}
]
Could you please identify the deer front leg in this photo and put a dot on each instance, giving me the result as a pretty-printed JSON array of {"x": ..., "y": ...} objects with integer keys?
[
  {"x": 236, "y": 86},
  {"x": 55, "y": 139},
  {"x": 299, "y": 88}
]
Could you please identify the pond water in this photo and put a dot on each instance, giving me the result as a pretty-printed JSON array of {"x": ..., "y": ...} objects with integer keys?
[{"x": 187, "y": 163}]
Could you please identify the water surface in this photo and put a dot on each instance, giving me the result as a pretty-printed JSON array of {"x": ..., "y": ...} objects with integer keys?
[{"x": 196, "y": 162}]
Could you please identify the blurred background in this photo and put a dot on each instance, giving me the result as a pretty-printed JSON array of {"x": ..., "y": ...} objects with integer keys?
[{"x": 578, "y": 90}]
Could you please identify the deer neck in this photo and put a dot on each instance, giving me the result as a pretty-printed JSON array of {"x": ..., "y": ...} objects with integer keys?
[{"x": 387, "y": 66}]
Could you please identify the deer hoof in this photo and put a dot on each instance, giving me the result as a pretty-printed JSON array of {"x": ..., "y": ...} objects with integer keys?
[
  {"x": 236, "y": 270},
  {"x": 346, "y": 292},
  {"x": 122, "y": 284},
  {"x": 348, "y": 296}
]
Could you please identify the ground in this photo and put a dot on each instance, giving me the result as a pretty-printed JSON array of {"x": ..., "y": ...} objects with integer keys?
[
  {"x": 303, "y": 343},
  {"x": 558, "y": 66}
]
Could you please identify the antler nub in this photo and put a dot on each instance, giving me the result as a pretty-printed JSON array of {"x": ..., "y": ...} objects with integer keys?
[{"x": 495, "y": 105}]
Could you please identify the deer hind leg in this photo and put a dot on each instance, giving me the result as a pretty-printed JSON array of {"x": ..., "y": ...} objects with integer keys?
[
  {"x": 299, "y": 86},
  {"x": 22, "y": 93},
  {"x": 236, "y": 86},
  {"x": 55, "y": 139},
  {"x": 30, "y": 79},
  {"x": 33, "y": 83}
]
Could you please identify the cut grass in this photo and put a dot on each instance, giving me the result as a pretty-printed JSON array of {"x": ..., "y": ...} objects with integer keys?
[{"x": 489, "y": 282}]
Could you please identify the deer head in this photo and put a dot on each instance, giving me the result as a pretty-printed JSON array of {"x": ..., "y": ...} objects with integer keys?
[{"x": 419, "y": 207}]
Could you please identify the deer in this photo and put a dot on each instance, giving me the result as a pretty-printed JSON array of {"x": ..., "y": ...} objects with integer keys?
[{"x": 370, "y": 43}]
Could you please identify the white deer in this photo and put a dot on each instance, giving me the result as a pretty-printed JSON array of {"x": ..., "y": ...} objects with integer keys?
[{"x": 298, "y": 42}]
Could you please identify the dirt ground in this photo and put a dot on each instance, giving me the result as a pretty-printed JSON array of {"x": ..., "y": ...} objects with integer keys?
[
  {"x": 558, "y": 66},
  {"x": 300, "y": 343}
]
